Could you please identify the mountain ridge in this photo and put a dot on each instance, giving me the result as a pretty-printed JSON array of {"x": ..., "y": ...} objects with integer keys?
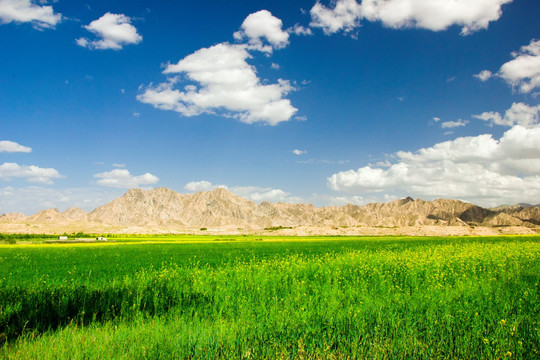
[{"x": 166, "y": 208}]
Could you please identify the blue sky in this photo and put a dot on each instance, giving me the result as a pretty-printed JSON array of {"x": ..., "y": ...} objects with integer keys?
[{"x": 301, "y": 101}]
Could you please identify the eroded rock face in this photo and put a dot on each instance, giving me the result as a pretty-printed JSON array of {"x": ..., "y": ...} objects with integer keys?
[
  {"x": 502, "y": 219},
  {"x": 163, "y": 207},
  {"x": 12, "y": 217},
  {"x": 524, "y": 212},
  {"x": 220, "y": 207}
]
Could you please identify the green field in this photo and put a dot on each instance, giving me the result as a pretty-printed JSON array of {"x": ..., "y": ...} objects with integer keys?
[{"x": 236, "y": 297}]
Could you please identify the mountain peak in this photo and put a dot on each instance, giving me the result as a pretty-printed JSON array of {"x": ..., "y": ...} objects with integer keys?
[{"x": 221, "y": 190}]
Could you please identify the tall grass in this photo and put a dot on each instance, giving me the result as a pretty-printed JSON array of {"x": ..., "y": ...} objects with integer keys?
[{"x": 465, "y": 299}]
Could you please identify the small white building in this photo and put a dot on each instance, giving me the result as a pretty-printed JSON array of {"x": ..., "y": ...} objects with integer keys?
[{"x": 62, "y": 237}]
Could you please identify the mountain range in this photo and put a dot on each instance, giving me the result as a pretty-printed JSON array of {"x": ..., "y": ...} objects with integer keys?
[{"x": 166, "y": 209}]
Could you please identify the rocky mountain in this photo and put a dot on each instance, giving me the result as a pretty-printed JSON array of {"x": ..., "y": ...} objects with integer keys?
[
  {"x": 524, "y": 212},
  {"x": 166, "y": 208},
  {"x": 162, "y": 206},
  {"x": 13, "y": 217}
]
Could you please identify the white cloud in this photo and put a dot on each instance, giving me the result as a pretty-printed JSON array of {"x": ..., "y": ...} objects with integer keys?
[
  {"x": 119, "y": 165},
  {"x": 345, "y": 16},
  {"x": 299, "y": 152},
  {"x": 436, "y": 119},
  {"x": 300, "y": 30},
  {"x": 275, "y": 66},
  {"x": 260, "y": 26},
  {"x": 31, "y": 199},
  {"x": 121, "y": 178},
  {"x": 195, "y": 186},
  {"x": 225, "y": 82},
  {"x": 260, "y": 194},
  {"x": 435, "y": 15},
  {"x": 31, "y": 173},
  {"x": 453, "y": 124},
  {"x": 22, "y": 11},
  {"x": 518, "y": 114},
  {"x": 385, "y": 163},
  {"x": 113, "y": 30},
  {"x": 523, "y": 71},
  {"x": 253, "y": 193},
  {"x": 479, "y": 169},
  {"x": 483, "y": 75},
  {"x": 345, "y": 200},
  {"x": 11, "y": 146}
]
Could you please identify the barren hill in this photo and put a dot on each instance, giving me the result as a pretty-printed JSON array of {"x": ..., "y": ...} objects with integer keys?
[
  {"x": 12, "y": 217},
  {"x": 163, "y": 208},
  {"x": 75, "y": 214},
  {"x": 220, "y": 207},
  {"x": 523, "y": 212}
]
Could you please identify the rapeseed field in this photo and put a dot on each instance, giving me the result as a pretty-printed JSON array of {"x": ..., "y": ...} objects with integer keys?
[{"x": 272, "y": 298}]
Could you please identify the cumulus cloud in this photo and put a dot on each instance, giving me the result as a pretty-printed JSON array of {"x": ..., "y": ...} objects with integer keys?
[
  {"x": 483, "y": 75},
  {"x": 453, "y": 124},
  {"x": 113, "y": 32},
  {"x": 260, "y": 194},
  {"x": 300, "y": 30},
  {"x": 227, "y": 84},
  {"x": 23, "y": 11},
  {"x": 253, "y": 193},
  {"x": 480, "y": 169},
  {"x": 11, "y": 146},
  {"x": 345, "y": 16},
  {"x": 121, "y": 178},
  {"x": 299, "y": 152},
  {"x": 31, "y": 173},
  {"x": 518, "y": 114},
  {"x": 220, "y": 80},
  {"x": 195, "y": 186},
  {"x": 433, "y": 15},
  {"x": 342, "y": 200},
  {"x": 523, "y": 72},
  {"x": 261, "y": 26}
]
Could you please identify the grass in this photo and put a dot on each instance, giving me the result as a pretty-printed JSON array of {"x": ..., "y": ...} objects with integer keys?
[{"x": 240, "y": 297}]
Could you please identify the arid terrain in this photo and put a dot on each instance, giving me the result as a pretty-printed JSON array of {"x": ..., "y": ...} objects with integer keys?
[{"x": 163, "y": 210}]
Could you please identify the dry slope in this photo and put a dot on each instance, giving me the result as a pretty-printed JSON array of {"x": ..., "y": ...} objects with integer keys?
[{"x": 166, "y": 209}]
